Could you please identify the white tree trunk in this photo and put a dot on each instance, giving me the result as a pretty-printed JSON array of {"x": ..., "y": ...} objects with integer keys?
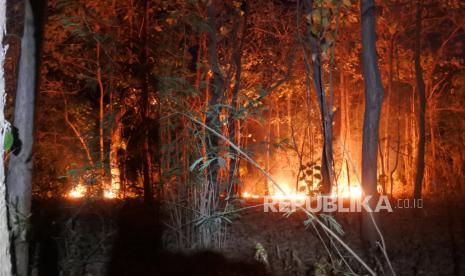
[
  {"x": 19, "y": 180},
  {"x": 5, "y": 258}
]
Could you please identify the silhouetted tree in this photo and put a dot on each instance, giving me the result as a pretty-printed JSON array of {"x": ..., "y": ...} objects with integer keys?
[{"x": 373, "y": 101}]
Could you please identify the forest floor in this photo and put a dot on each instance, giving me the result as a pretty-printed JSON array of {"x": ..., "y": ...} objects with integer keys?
[
  {"x": 110, "y": 238},
  {"x": 426, "y": 241}
]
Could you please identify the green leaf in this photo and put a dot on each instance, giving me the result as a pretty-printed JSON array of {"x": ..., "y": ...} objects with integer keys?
[
  {"x": 8, "y": 140},
  {"x": 192, "y": 167}
]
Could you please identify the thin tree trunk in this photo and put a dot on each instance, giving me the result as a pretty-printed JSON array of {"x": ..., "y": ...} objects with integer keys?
[
  {"x": 327, "y": 171},
  {"x": 146, "y": 153},
  {"x": 19, "y": 180},
  {"x": 77, "y": 133},
  {"x": 387, "y": 143},
  {"x": 396, "y": 161},
  {"x": 345, "y": 120},
  {"x": 234, "y": 131},
  {"x": 5, "y": 258},
  {"x": 101, "y": 120},
  {"x": 277, "y": 117},
  {"x": 115, "y": 145},
  {"x": 216, "y": 97},
  {"x": 420, "y": 166},
  {"x": 398, "y": 149},
  {"x": 373, "y": 101},
  {"x": 433, "y": 146},
  {"x": 382, "y": 177},
  {"x": 268, "y": 189},
  {"x": 289, "y": 114}
]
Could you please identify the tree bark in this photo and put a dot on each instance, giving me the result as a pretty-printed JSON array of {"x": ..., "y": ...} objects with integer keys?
[
  {"x": 216, "y": 96},
  {"x": 327, "y": 170},
  {"x": 373, "y": 101},
  {"x": 20, "y": 165},
  {"x": 233, "y": 123},
  {"x": 420, "y": 166},
  {"x": 5, "y": 258}
]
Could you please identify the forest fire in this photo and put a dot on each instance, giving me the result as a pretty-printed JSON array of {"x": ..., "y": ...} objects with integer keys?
[
  {"x": 341, "y": 191},
  {"x": 79, "y": 191},
  {"x": 344, "y": 191},
  {"x": 110, "y": 194},
  {"x": 294, "y": 185},
  {"x": 147, "y": 137}
]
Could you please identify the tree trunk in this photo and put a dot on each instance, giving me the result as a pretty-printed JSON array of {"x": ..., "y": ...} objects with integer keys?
[
  {"x": 398, "y": 148},
  {"x": 101, "y": 120},
  {"x": 433, "y": 185},
  {"x": 5, "y": 258},
  {"x": 216, "y": 96},
  {"x": 373, "y": 101},
  {"x": 421, "y": 106},
  {"x": 387, "y": 144},
  {"x": 232, "y": 122},
  {"x": 115, "y": 145},
  {"x": 146, "y": 154},
  {"x": 327, "y": 171},
  {"x": 20, "y": 164},
  {"x": 268, "y": 188},
  {"x": 76, "y": 132}
]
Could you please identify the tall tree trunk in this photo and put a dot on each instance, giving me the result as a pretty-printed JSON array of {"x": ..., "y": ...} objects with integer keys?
[
  {"x": 398, "y": 149},
  {"x": 289, "y": 114},
  {"x": 233, "y": 124},
  {"x": 20, "y": 166},
  {"x": 268, "y": 188},
  {"x": 115, "y": 145},
  {"x": 101, "y": 120},
  {"x": 5, "y": 258},
  {"x": 387, "y": 144},
  {"x": 433, "y": 185},
  {"x": 398, "y": 137},
  {"x": 147, "y": 158},
  {"x": 373, "y": 101},
  {"x": 216, "y": 96},
  {"x": 327, "y": 171},
  {"x": 421, "y": 106}
]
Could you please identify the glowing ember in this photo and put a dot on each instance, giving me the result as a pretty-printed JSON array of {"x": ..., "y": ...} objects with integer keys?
[{"x": 78, "y": 191}]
